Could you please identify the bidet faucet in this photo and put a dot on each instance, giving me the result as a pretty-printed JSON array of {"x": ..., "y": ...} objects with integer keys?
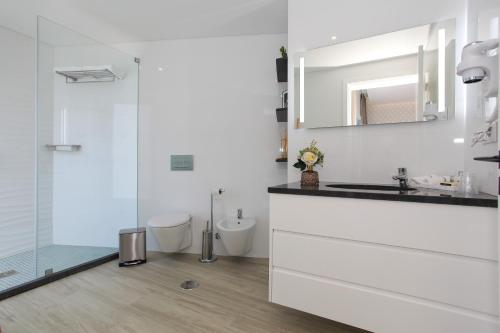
[{"x": 402, "y": 176}]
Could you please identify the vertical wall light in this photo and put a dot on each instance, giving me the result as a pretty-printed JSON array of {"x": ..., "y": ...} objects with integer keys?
[
  {"x": 301, "y": 88},
  {"x": 63, "y": 138},
  {"x": 441, "y": 70}
]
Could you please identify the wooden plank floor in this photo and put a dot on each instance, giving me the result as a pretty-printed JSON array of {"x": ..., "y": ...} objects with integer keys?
[{"x": 232, "y": 297}]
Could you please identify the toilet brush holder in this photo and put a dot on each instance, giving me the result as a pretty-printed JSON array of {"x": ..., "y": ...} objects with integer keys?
[{"x": 207, "y": 246}]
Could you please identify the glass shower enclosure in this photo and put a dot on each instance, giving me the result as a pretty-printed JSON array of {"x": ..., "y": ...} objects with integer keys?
[{"x": 68, "y": 154}]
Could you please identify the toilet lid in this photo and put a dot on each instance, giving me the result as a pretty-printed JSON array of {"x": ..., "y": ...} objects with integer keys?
[{"x": 169, "y": 220}]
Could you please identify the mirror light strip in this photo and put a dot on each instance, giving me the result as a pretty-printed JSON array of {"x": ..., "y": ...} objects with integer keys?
[
  {"x": 301, "y": 87},
  {"x": 441, "y": 70},
  {"x": 63, "y": 126}
]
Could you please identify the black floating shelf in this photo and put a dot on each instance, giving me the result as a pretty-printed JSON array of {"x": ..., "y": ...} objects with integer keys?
[
  {"x": 492, "y": 159},
  {"x": 282, "y": 115},
  {"x": 282, "y": 159}
]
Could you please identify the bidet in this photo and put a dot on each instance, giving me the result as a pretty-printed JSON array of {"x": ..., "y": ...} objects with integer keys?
[{"x": 236, "y": 234}]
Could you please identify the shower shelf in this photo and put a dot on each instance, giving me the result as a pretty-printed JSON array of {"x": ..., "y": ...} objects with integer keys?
[
  {"x": 89, "y": 74},
  {"x": 64, "y": 147}
]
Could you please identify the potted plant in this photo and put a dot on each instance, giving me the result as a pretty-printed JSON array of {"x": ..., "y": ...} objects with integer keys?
[
  {"x": 307, "y": 159},
  {"x": 282, "y": 66}
]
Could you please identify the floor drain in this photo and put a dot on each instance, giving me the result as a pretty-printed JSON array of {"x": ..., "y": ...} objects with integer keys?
[{"x": 189, "y": 284}]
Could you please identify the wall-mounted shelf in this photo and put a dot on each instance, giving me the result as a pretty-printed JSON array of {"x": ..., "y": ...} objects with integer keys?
[
  {"x": 282, "y": 159},
  {"x": 282, "y": 115},
  {"x": 492, "y": 159},
  {"x": 282, "y": 70},
  {"x": 89, "y": 74},
  {"x": 64, "y": 147}
]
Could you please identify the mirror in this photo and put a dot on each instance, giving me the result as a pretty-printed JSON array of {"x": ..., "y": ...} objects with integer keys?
[{"x": 399, "y": 77}]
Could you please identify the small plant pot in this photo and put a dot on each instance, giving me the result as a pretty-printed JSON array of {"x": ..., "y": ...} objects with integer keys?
[
  {"x": 309, "y": 178},
  {"x": 282, "y": 69}
]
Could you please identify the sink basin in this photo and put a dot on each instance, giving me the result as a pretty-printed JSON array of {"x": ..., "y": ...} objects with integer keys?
[{"x": 387, "y": 188}]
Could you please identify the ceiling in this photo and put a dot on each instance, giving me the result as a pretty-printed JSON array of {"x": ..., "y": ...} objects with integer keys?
[
  {"x": 394, "y": 94},
  {"x": 121, "y": 21},
  {"x": 175, "y": 19}
]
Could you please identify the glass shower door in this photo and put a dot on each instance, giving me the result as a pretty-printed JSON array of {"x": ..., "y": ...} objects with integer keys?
[
  {"x": 87, "y": 112},
  {"x": 17, "y": 172}
]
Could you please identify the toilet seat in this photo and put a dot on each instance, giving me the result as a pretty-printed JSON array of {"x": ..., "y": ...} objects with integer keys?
[{"x": 169, "y": 220}]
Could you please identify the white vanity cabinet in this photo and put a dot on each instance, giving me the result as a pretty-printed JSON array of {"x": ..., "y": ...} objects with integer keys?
[{"x": 386, "y": 266}]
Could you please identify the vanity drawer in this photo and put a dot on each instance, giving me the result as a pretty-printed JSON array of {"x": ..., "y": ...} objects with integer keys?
[
  {"x": 462, "y": 230},
  {"x": 459, "y": 281},
  {"x": 372, "y": 309}
]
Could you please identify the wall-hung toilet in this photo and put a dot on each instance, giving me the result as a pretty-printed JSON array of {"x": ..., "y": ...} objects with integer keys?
[{"x": 172, "y": 231}]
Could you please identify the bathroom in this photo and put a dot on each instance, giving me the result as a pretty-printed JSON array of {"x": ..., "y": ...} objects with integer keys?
[{"x": 193, "y": 109}]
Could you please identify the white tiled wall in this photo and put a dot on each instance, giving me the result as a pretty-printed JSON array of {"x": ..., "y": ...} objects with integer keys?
[{"x": 214, "y": 98}]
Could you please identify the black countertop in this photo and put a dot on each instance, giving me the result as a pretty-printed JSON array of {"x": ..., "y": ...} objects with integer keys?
[{"x": 420, "y": 195}]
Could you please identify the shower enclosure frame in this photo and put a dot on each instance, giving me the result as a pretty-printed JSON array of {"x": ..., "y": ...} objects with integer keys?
[
  {"x": 41, "y": 281},
  {"x": 54, "y": 276}
]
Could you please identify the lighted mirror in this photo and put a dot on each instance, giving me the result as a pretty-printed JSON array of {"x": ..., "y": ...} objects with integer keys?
[{"x": 399, "y": 77}]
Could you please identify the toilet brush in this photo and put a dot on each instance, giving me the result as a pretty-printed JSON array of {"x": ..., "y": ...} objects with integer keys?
[
  {"x": 207, "y": 248},
  {"x": 207, "y": 243}
]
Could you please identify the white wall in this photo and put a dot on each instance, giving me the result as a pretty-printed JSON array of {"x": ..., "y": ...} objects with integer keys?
[
  {"x": 215, "y": 99},
  {"x": 372, "y": 154}
]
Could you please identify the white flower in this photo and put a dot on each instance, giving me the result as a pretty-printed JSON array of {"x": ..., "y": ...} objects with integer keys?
[{"x": 309, "y": 158}]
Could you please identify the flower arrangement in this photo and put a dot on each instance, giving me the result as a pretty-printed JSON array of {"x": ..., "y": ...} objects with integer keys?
[{"x": 309, "y": 157}]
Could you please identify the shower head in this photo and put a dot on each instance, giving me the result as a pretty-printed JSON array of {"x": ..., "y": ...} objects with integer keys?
[
  {"x": 473, "y": 75},
  {"x": 480, "y": 64}
]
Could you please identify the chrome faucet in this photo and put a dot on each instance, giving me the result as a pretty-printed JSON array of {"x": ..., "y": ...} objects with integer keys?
[
  {"x": 240, "y": 213},
  {"x": 403, "y": 178}
]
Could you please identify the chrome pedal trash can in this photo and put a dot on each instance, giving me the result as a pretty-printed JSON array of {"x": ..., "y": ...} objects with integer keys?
[{"x": 132, "y": 247}]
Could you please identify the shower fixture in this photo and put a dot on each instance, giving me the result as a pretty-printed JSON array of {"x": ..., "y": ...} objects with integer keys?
[{"x": 480, "y": 64}]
